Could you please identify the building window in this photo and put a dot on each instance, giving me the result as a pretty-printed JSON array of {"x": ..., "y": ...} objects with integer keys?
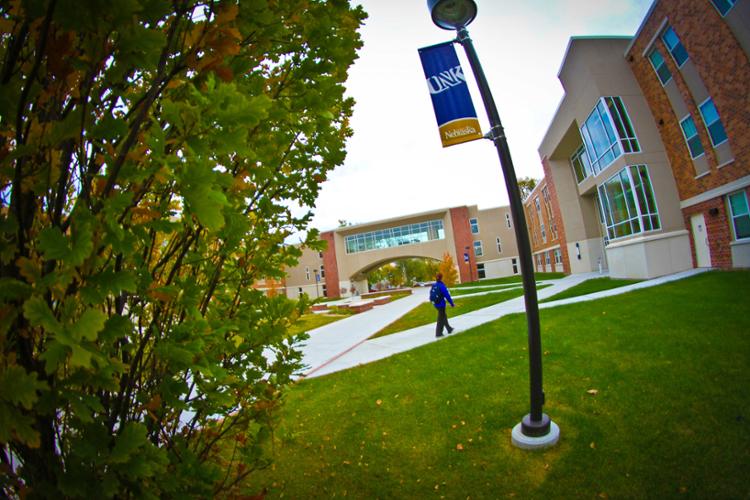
[
  {"x": 713, "y": 123},
  {"x": 325, "y": 290},
  {"x": 673, "y": 43},
  {"x": 499, "y": 245},
  {"x": 544, "y": 233},
  {"x": 514, "y": 263},
  {"x": 548, "y": 209},
  {"x": 691, "y": 136},
  {"x": 480, "y": 271},
  {"x": 546, "y": 257},
  {"x": 320, "y": 254},
  {"x": 558, "y": 256},
  {"x": 723, "y": 6},
  {"x": 396, "y": 236},
  {"x": 628, "y": 203},
  {"x": 307, "y": 273},
  {"x": 660, "y": 66},
  {"x": 299, "y": 291},
  {"x": 322, "y": 272},
  {"x": 738, "y": 209},
  {"x": 474, "y": 226},
  {"x": 478, "y": 249},
  {"x": 580, "y": 163},
  {"x": 607, "y": 133},
  {"x": 507, "y": 220}
]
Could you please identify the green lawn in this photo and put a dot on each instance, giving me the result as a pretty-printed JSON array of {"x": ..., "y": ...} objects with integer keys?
[
  {"x": 671, "y": 418},
  {"x": 457, "y": 292},
  {"x": 591, "y": 286},
  {"x": 310, "y": 321},
  {"x": 510, "y": 279},
  {"x": 425, "y": 312}
]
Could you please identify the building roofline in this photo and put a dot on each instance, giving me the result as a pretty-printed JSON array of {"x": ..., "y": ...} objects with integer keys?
[
  {"x": 586, "y": 37},
  {"x": 640, "y": 28}
]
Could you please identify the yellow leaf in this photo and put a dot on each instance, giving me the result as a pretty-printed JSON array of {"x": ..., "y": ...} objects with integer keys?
[
  {"x": 459, "y": 447},
  {"x": 379, "y": 402},
  {"x": 592, "y": 445},
  {"x": 593, "y": 392}
]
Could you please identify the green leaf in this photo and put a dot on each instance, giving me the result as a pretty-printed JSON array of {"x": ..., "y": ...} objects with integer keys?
[
  {"x": 19, "y": 387},
  {"x": 80, "y": 357},
  {"x": 132, "y": 437},
  {"x": 89, "y": 325},
  {"x": 109, "y": 128},
  {"x": 39, "y": 314},
  {"x": 54, "y": 355},
  {"x": 11, "y": 289},
  {"x": 53, "y": 244}
]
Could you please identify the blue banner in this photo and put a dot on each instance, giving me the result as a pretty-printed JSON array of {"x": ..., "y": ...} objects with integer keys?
[{"x": 456, "y": 117}]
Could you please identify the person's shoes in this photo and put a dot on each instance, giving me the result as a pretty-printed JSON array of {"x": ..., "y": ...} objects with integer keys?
[
  {"x": 439, "y": 335},
  {"x": 450, "y": 330}
]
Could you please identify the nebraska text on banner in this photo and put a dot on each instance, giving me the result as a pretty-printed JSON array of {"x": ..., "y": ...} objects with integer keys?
[{"x": 457, "y": 120}]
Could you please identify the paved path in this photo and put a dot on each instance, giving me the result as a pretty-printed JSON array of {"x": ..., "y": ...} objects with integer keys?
[{"x": 343, "y": 344}]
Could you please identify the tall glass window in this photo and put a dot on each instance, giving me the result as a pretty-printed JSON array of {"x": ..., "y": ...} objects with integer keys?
[
  {"x": 738, "y": 209},
  {"x": 723, "y": 6},
  {"x": 607, "y": 133},
  {"x": 395, "y": 236},
  {"x": 660, "y": 66},
  {"x": 713, "y": 123},
  {"x": 691, "y": 136},
  {"x": 478, "y": 250},
  {"x": 474, "y": 226},
  {"x": 673, "y": 43},
  {"x": 580, "y": 163},
  {"x": 628, "y": 203}
]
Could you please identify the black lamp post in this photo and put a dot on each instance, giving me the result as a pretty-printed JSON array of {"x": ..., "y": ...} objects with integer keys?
[{"x": 536, "y": 430}]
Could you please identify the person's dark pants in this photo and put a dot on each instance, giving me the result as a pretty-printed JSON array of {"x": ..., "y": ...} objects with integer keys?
[{"x": 442, "y": 322}]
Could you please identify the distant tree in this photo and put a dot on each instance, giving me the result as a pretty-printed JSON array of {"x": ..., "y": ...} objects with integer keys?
[
  {"x": 448, "y": 269},
  {"x": 345, "y": 223},
  {"x": 526, "y": 185}
]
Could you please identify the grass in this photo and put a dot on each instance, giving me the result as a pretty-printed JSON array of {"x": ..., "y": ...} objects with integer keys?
[
  {"x": 425, "y": 313},
  {"x": 671, "y": 418},
  {"x": 510, "y": 279},
  {"x": 466, "y": 291},
  {"x": 395, "y": 295},
  {"x": 310, "y": 321},
  {"x": 591, "y": 286}
]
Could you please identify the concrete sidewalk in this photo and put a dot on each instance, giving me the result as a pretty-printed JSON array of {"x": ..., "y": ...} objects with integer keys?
[{"x": 344, "y": 344}]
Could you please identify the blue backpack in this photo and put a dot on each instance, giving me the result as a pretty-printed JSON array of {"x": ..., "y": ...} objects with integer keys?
[{"x": 436, "y": 294}]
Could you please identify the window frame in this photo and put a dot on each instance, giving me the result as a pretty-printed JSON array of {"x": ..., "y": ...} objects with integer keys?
[
  {"x": 481, "y": 271},
  {"x": 732, "y": 215},
  {"x": 307, "y": 273},
  {"x": 730, "y": 7},
  {"x": 474, "y": 223},
  {"x": 609, "y": 119},
  {"x": 717, "y": 120},
  {"x": 499, "y": 244},
  {"x": 642, "y": 211},
  {"x": 660, "y": 67},
  {"x": 676, "y": 47},
  {"x": 507, "y": 220},
  {"x": 479, "y": 247},
  {"x": 577, "y": 157},
  {"x": 696, "y": 136}
]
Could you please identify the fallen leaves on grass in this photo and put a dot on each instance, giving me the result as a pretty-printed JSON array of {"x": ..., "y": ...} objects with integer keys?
[{"x": 593, "y": 392}]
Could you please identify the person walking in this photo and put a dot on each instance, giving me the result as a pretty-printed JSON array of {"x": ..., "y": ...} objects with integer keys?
[{"x": 438, "y": 296}]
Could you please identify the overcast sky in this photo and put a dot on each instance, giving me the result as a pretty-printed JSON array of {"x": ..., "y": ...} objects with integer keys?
[{"x": 395, "y": 163}]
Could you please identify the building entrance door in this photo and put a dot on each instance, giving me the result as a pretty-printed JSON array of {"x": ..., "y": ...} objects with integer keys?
[{"x": 700, "y": 241}]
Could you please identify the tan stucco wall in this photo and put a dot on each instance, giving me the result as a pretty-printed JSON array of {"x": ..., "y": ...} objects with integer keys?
[{"x": 492, "y": 223}]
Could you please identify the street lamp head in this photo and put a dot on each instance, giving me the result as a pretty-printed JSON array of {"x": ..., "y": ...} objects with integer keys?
[{"x": 452, "y": 14}]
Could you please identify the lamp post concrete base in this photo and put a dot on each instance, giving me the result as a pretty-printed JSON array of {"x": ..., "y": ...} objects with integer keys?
[{"x": 535, "y": 443}]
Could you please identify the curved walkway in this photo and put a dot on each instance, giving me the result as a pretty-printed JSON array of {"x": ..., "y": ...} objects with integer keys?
[{"x": 344, "y": 344}]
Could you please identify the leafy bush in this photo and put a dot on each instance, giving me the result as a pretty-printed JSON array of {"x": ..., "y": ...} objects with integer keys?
[{"x": 149, "y": 152}]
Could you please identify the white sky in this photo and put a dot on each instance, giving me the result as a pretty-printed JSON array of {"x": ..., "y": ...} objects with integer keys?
[{"x": 395, "y": 163}]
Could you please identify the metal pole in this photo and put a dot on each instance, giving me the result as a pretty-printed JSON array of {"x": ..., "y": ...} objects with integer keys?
[{"x": 536, "y": 423}]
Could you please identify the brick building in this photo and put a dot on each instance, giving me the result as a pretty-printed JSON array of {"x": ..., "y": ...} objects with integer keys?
[
  {"x": 692, "y": 60},
  {"x": 646, "y": 159}
]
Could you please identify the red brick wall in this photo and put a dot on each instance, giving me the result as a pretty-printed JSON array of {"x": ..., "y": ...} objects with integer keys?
[
  {"x": 724, "y": 69},
  {"x": 532, "y": 221},
  {"x": 462, "y": 237},
  {"x": 330, "y": 266},
  {"x": 557, "y": 213}
]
